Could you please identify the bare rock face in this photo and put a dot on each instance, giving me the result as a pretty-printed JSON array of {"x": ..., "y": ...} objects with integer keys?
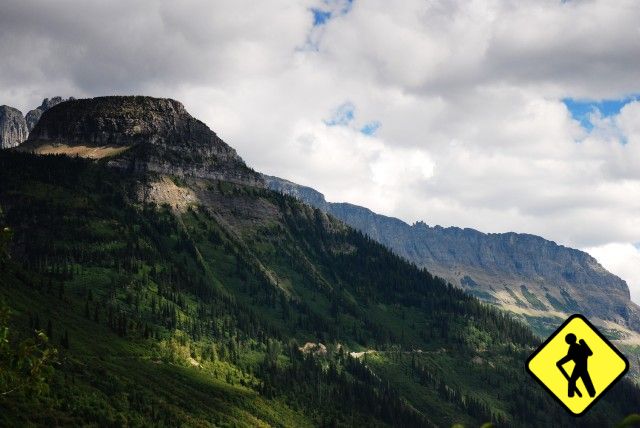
[
  {"x": 13, "y": 127},
  {"x": 520, "y": 272},
  {"x": 33, "y": 116},
  {"x": 142, "y": 134}
]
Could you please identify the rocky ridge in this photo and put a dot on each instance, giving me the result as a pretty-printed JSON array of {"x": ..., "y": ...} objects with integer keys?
[{"x": 523, "y": 273}]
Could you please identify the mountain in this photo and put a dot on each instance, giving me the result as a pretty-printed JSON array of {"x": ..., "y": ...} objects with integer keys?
[
  {"x": 139, "y": 134},
  {"x": 33, "y": 116},
  {"x": 144, "y": 291},
  {"x": 13, "y": 127},
  {"x": 522, "y": 273}
]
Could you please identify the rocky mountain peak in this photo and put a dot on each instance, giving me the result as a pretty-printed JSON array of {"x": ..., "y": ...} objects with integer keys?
[
  {"x": 33, "y": 116},
  {"x": 13, "y": 127},
  {"x": 141, "y": 134}
]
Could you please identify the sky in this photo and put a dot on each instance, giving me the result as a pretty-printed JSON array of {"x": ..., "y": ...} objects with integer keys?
[{"x": 512, "y": 115}]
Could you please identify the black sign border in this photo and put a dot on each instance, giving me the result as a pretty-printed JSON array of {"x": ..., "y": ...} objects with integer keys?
[{"x": 555, "y": 333}]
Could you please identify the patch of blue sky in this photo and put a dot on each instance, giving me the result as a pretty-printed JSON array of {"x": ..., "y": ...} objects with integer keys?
[
  {"x": 371, "y": 128},
  {"x": 582, "y": 110},
  {"x": 345, "y": 115},
  {"x": 320, "y": 17},
  {"x": 347, "y": 5},
  {"x": 342, "y": 115},
  {"x": 330, "y": 10}
]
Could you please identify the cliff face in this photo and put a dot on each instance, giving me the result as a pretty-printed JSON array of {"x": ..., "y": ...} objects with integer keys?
[
  {"x": 13, "y": 127},
  {"x": 520, "y": 272},
  {"x": 33, "y": 116},
  {"x": 139, "y": 134}
]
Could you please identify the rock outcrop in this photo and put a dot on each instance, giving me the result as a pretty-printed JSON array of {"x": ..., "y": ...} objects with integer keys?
[
  {"x": 520, "y": 272},
  {"x": 33, "y": 116},
  {"x": 139, "y": 134},
  {"x": 13, "y": 127}
]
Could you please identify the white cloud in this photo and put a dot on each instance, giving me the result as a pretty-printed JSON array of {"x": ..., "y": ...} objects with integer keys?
[
  {"x": 623, "y": 260},
  {"x": 474, "y": 132}
]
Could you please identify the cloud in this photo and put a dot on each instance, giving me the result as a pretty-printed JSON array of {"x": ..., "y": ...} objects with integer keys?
[
  {"x": 498, "y": 115},
  {"x": 622, "y": 259}
]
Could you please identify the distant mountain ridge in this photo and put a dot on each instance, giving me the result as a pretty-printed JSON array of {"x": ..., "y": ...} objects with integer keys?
[
  {"x": 15, "y": 128},
  {"x": 524, "y": 273}
]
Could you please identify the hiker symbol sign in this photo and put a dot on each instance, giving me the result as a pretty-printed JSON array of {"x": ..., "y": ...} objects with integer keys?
[{"x": 577, "y": 365}]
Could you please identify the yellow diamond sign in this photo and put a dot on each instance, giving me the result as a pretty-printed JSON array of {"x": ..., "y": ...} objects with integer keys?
[{"x": 577, "y": 364}]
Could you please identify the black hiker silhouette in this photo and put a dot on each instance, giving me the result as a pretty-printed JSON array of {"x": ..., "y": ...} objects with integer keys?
[{"x": 578, "y": 353}]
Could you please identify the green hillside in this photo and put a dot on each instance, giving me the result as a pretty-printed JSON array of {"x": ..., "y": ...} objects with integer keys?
[{"x": 197, "y": 313}]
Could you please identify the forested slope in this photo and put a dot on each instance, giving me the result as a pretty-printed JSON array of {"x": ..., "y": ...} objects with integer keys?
[{"x": 179, "y": 301}]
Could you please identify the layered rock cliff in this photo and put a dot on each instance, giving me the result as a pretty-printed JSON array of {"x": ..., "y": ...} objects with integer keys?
[
  {"x": 13, "y": 127},
  {"x": 523, "y": 273},
  {"x": 139, "y": 134}
]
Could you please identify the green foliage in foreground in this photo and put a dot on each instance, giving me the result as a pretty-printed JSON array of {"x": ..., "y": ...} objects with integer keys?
[
  {"x": 197, "y": 318},
  {"x": 26, "y": 366}
]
